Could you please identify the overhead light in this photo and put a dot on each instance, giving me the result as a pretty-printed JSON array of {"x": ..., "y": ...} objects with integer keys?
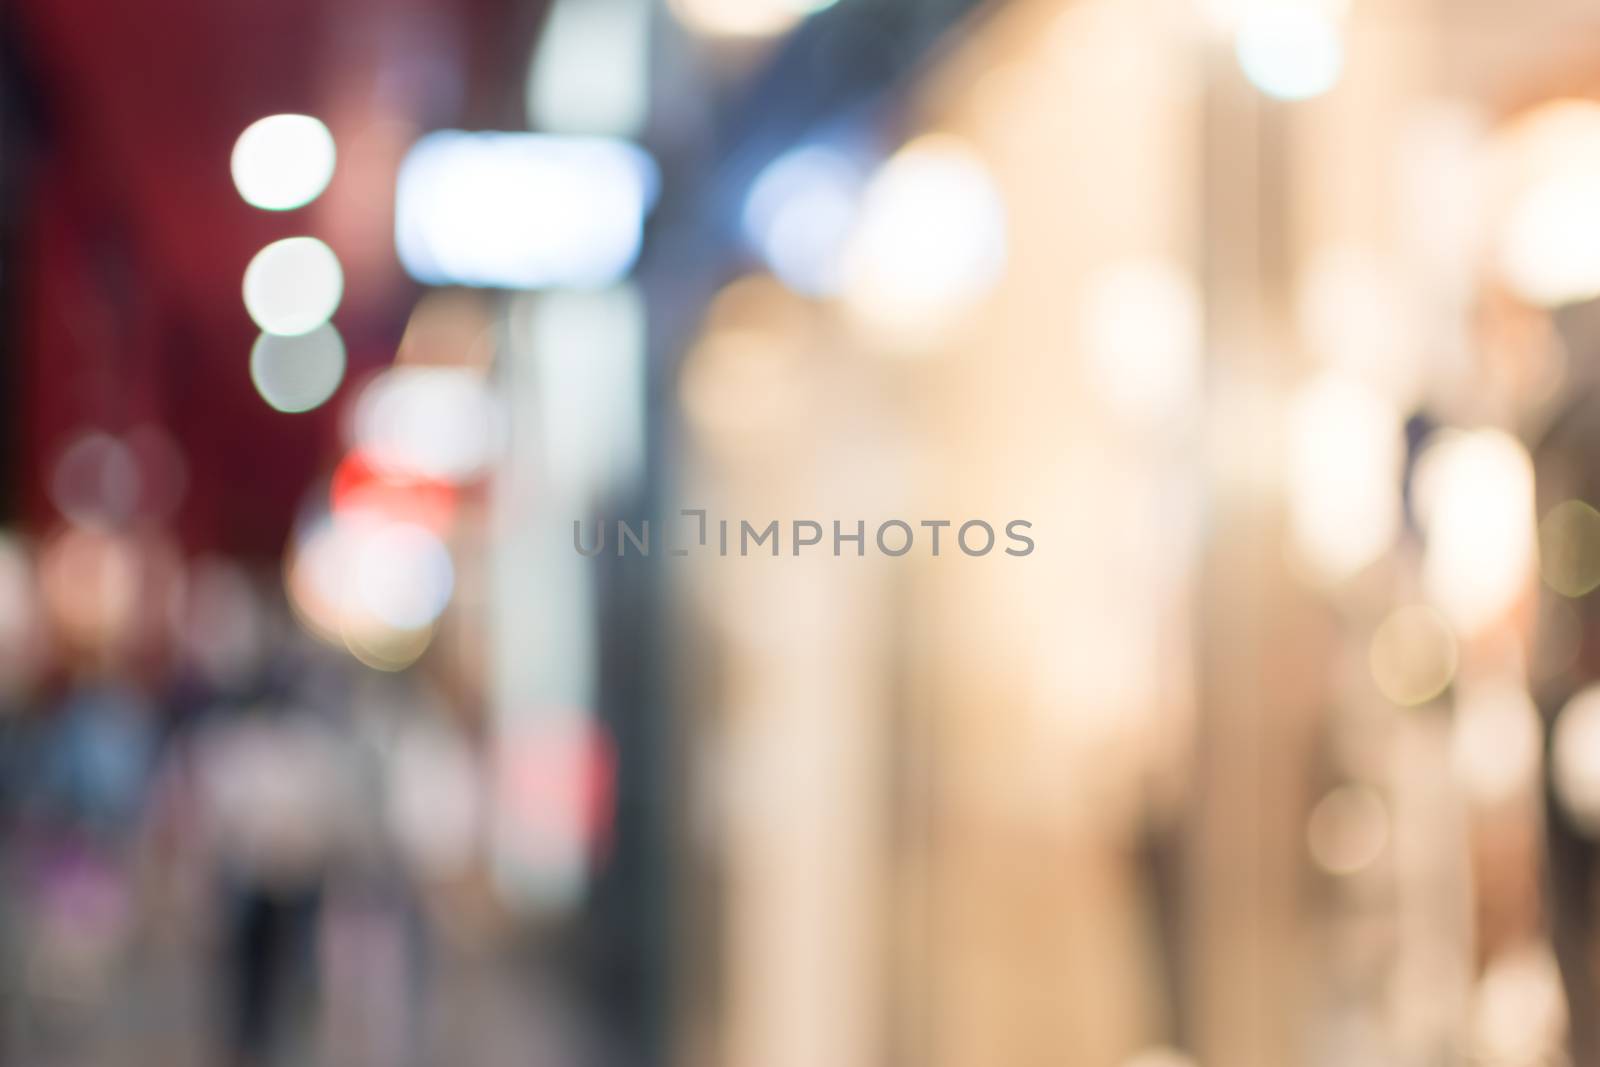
[{"x": 521, "y": 210}]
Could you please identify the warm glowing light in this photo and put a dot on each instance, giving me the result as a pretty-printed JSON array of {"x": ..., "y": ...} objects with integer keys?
[
  {"x": 1346, "y": 450},
  {"x": 1141, "y": 330},
  {"x": 1519, "y": 1014},
  {"x": 1495, "y": 741},
  {"x": 521, "y": 210},
  {"x": 1575, "y": 758},
  {"x": 745, "y": 18},
  {"x": 1550, "y": 238},
  {"x": 1413, "y": 655},
  {"x": 293, "y": 286},
  {"x": 312, "y": 578},
  {"x": 590, "y": 74},
  {"x": 931, "y": 240},
  {"x": 799, "y": 214},
  {"x": 89, "y": 584},
  {"x": 736, "y": 387},
  {"x": 744, "y": 378},
  {"x": 1354, "y": 314},
  {"x": 437, "y": 423},
  {"x": 383, "y": 647},
  {"x": 373, "y": 584},
  {"x": 1551, "y": 254},
  {"x": 1474, "y": 495},
  {"x": 283, "y": 161},
  {"x": 298, "y": 373},
  {"x": 1348, "y": 830},
  {"x": 1290, "y": 51},
  {"x": 1569, "y": 548}
]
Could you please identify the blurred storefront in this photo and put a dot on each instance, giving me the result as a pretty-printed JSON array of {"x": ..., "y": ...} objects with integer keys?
[{"x": 766, "y": 533}]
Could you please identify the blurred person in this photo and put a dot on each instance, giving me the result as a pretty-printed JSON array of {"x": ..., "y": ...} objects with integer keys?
[
  {"x": 77, "y": 766},
  {"x": 268, "y": 783}
]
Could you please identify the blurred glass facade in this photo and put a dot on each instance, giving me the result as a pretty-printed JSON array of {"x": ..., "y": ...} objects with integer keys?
[{"x": 779, "y": 533}]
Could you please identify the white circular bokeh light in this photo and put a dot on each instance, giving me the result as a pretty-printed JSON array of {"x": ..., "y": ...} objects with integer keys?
[
  {"x": 1290, "y": 53},
  {"x": 283, "y": 161},
  {"x": 293, "y": 286},
  {"x": 298, "y": 373}
]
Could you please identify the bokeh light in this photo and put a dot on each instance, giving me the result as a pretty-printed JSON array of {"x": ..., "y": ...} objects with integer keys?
[
  {"x": 1552, "y": 241},
  {"x": 402, "y": 573},
  {"x": 1575, "y": 758},
  {"x": 1290, "y": 51},
  {"x": 799, "y": 214},
  {"x": 89, "y": 584},
  {"x": 372, "y": 584},
  {"x": 1348, "y": 829},
  {"x": 1549, "y": 166},
  {"x": 293, "y": 286},
  {"x": 1519, "y": 1011},
  {"x": 521, "y": 210},
  {"x": 283, "y": 161},
  {"x": 1413, "y": 655},
  {"x": 743, "y": 378},
  {"x": 1569, "y": 548},
  {"x": 298, "y": 373},
  {"x": 931, "y": 240},
  {"x": 96, "y": 481},
  {"x": 1354, "y": 313},
  {"x": 1344, "y": 461},
  {"x": 439, "y": 423},
  {"x": 1142, "y": 332},
  {"x": 1474, "y": 495},
  {"x": 1495, "y": 740}
]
